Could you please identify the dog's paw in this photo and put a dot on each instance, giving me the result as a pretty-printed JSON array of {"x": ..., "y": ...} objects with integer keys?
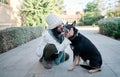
[
  {"x": 94, "y": 70},
  {"x": 77, "y": 64},
  {"x": 71, "y": 69}
]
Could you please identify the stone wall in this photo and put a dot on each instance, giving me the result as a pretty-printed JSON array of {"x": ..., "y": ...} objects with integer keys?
[
  {"x": 5, "y": 16},
  {"x": 16, "y": 7},
  {"x": 10, "y": 14}
]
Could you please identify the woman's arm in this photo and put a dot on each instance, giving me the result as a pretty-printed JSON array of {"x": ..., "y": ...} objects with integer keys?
[
  {"x": 63, "y": 45},
  {"x": 42, "y": 43}
]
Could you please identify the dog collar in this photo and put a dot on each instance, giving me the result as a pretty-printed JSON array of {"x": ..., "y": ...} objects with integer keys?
[{"x": 71, "y": 38}]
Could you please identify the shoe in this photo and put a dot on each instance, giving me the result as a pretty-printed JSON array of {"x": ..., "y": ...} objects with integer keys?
[
  {"x": 41, "y": 59},
  {"x": 47, "y": 64}
]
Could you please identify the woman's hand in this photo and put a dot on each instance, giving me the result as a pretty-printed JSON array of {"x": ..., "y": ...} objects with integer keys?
[{"x": 70, "y": 33}]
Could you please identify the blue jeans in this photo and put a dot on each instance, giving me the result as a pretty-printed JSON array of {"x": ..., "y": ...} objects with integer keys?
[
  {"x": 60, "y": 58},
  {"x": 50, "y": 53}
]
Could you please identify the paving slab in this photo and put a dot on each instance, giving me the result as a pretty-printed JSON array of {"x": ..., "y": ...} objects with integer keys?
[{"x": 23, "y": 62}]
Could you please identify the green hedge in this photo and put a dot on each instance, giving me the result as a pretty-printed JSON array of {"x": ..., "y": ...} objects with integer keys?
[
  {"x": 14, "y": 36},
  {"x": 89, "y": 19},
  {"x": 110, "y": 27}
]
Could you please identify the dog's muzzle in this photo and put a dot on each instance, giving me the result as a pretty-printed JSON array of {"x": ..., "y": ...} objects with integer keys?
[{"x": 65, "y": 30}]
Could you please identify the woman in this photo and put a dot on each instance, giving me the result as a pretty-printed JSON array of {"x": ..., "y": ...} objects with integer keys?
[{"x": 53, "y": 43}]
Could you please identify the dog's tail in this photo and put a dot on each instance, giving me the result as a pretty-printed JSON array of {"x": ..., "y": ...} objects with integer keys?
[{"x": 87, "y": 67}]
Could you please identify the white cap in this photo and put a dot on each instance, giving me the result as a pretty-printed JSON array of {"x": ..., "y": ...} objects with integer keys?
[{"x": 53, "y": 21}]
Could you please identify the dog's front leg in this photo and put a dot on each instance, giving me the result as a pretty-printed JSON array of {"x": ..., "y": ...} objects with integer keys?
[
  {"x": 78, "y": 60},
  {"x": 74, "y": 64}
]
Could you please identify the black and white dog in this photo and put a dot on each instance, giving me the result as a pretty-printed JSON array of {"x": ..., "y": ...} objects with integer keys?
[{"x": 83, "y": 48}]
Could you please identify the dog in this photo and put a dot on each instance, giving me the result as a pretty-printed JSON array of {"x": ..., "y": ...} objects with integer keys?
[{"x": 83, "y": 49}]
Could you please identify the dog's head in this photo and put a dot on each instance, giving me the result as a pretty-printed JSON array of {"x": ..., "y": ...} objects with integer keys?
[{"x": 67, "y": 27}]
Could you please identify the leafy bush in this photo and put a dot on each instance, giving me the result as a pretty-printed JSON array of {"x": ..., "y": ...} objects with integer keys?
[
  {"x": 116, "y": 34},
  {"x": 91, "y": 14},
  {"x": 110, "y": 26},
  {"x": 90, "y": 18},
  {"x": 14, "y": 36},
  {"x": 80, "y": 23}
]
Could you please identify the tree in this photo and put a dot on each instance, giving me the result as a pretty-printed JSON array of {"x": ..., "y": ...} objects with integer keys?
[
  {"x": 92, "y": 14},
  {"x": 91, "y": 7},
  {"x": 58, "y": 6},
  {"x": 35, "y": 11}
]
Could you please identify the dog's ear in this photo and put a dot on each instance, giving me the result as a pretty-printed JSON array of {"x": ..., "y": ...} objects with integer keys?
[{"x": 74, "y": 23}]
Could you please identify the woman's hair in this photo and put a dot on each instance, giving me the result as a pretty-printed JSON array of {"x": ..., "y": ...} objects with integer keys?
[
  {"x": 55, "y": 32},
  {"x": 57, "y": 35}
]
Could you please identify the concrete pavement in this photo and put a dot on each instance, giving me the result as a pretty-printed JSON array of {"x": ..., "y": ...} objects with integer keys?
[{"x": 23, "y": 62}]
